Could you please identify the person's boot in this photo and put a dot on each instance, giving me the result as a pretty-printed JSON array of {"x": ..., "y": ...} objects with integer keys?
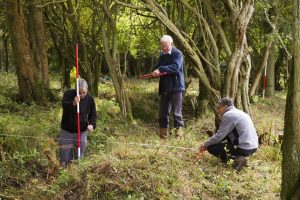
[
  {"x": 163, "y": 133},
  {"x": 239, "y": 163},
  {"x": 179, "y": 133}
]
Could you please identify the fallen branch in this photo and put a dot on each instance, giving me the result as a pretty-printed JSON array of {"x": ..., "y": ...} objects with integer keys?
[{"x": 7, "y": 197}]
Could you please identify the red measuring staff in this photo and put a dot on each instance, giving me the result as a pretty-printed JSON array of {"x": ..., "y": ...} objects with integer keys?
[
  {"x": 154, "y": 75},
  {"x": 78, "y": 111},
  {"x": 265, "y": 80}
]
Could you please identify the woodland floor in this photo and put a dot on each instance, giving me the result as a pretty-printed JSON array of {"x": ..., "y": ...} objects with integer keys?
[{"x": 128, "y": 161}]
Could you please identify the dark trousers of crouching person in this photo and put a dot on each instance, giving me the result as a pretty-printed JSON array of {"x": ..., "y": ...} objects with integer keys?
[
  {"x": 226, "y": 150},
  {"x": 68, "y": 146},
  {"x": 170, "y": 102}
]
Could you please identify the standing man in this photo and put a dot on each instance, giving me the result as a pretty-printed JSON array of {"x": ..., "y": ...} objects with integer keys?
[
  {"x": 236, "y": 137},
  {"x": 68, "y": 133},
  {"x": 171, "y": 87}
]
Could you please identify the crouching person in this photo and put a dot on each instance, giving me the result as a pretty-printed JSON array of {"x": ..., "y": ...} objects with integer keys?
[
  {"x": 236, "y": 137},
  {"x": 68, "y": 134}
]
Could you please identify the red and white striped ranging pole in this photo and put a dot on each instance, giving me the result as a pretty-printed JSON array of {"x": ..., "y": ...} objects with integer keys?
[
  {"x": 265, "y": 81},
  {"x": 78, "y": 111}
]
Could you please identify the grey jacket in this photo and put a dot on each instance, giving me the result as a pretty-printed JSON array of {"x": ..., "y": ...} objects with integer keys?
[{"x": 238, "y": 127}]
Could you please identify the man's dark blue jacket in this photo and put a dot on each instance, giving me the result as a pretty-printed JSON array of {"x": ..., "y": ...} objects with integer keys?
[{"x": 173, "y": 64}]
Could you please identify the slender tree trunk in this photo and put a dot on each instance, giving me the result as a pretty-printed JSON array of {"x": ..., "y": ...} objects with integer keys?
[
  {"x": 116, "y": 76},
  {"x": 67, "y": 62},
  {"x": 202, "y": 102},
  {"x": 85, "y": 68},
  {"x": 62, "y": 42},
  {"x": 209, "y": 44},
  {"x": 95, "y": 64},
  {"x": 271, "y": 72},
  {"x": 65, "y": 81},
  {"x": 6, "y": 57},
  {"x": 291, "y": 137},
  {"x": 211, "y": 14},
  {"x": 259, "y": 71},
  {"x": 28, "y": 80},
  {"x": 96, "y": 71},
  {"x": 111, "y": 57},
  {"x": 244, "y": 76},
  {"x": 125, "y": 63},
  {"x": 132, "y": 65},
  {"x": 1, "y": 57},
  {"x": 241, "y": 20},
  {"x": 2, "y": 154},
  {"x": 278, "y": 66}
]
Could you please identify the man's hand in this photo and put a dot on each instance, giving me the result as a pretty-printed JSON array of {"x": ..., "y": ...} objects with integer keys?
[
  {"x": 202, "y": 148},
  {"x": 76, "y": 100},
  {"x": 156, "y": 72},
  {"x": 90, "y": 128}
]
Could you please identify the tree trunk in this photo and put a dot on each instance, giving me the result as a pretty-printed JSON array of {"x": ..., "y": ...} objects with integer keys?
[
  {"x": 61, "y": 42},
  {"x": 111, "y": 57},
  {"x": 240, "y": 21},
  {"x": 211, "y": 14},
  {"x": 65, "y": 80},
  {"x": 271, "y": 72},
  {"x": 28, "y": 81},
  {"x": 244, "y": 76},
  {"x": 36, "y": 31},
  {"x": 5, "y": 45},
  {"x": 117, "y": 79},
  {"x": 291, "y": 137},
  {"x": 67, "y": 62},
  {"x": 278, "y": 66},
  {"x": 259, "y": 70},
  {"x": 84, "y": 66},
  {"x": 209, "y": 44},
  {"x": 132, "y": 64},
  {"x": 1, "y": 57},
  {"x": 96, "y": 67},
  {"x": 125, "y": 63},
  {"x": 2, "y": 153},
  {"x": 202, "y": 102},
  {"x": 96, "y": 58}
]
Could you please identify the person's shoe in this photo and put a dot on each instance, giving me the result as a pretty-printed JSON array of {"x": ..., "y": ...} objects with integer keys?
[
  {"x": 239, "y": 163},
  {"x": 163, "y": 133},
  {"x": 179, "y": 133},
  {"x": 63, "y": 165}
]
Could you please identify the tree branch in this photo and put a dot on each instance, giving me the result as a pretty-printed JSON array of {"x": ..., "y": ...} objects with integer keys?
[
  {"x": 205, "y": 25},
  {"x": 230, "y": 6},
  {"x": 130, "y": 5},
  {"x": 7, "y": 197},
  {"x": 138, "y": 13},
  {"x": 277, "y": 34},
  {"x": 198, "y": 51},
  {"x": 47, "y": 3},
  {"x": 212, "y": 16}
]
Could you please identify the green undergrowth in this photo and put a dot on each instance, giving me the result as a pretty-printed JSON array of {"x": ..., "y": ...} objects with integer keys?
[{"x": 128, "y": 161}]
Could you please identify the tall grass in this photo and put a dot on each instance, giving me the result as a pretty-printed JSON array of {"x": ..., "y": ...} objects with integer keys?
[{"x": 128, "y": 161}]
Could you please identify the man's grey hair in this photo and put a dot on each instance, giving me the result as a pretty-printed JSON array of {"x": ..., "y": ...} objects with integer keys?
[
  {"x": 166, "y": 38},
  {"x": 82, "y": 84},
  {"x": 226, "y": 101}
]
